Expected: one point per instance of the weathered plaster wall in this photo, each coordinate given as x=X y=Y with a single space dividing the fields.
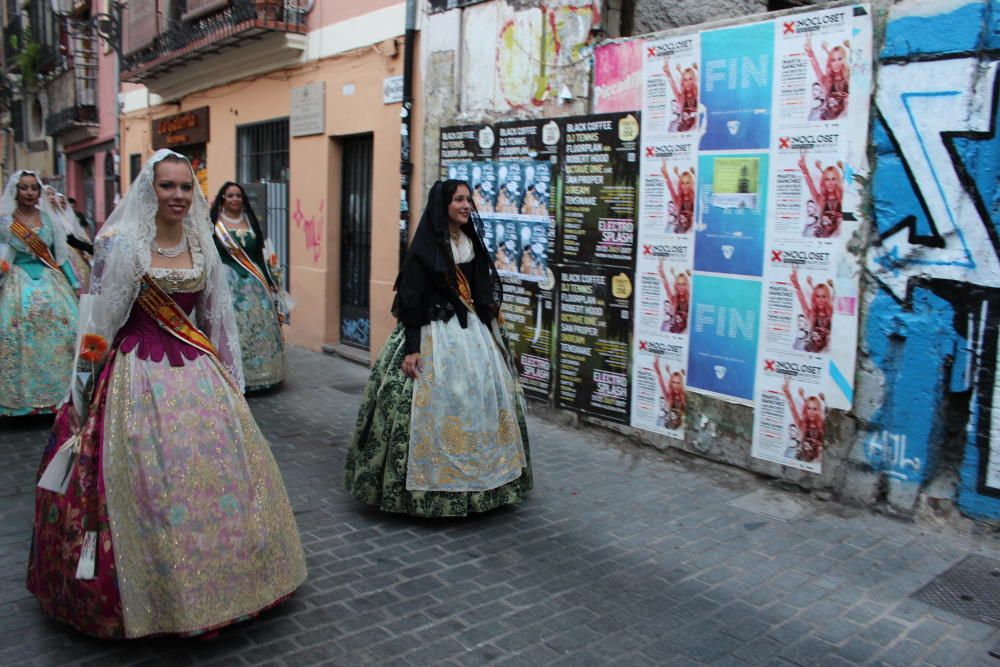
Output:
x=516 y=59
x=657 y=15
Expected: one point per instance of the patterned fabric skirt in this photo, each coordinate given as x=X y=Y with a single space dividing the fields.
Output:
x=194 y=528
x=261 y=341
x=80 y=268
x=37 y=341
x=380 y=448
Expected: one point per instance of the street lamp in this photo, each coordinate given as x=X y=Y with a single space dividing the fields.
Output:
x=107 y=25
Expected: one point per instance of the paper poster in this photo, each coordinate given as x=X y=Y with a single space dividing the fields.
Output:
x=808 y=342
x=595 y=330
x=737 y=75
x=672 y=100
x=470 y=143
x=725 y=316
x=814 y=55
x=618 y=76
x=600 y=193
x=733 y=194
x=512 y=169
x=519 y=245
x=529 y=314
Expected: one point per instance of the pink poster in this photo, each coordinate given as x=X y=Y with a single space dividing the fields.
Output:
x=618 y=76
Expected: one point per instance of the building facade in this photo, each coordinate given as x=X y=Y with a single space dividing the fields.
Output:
x=300 y=104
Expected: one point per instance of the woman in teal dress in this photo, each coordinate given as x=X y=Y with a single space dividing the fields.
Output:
x=38 y=305
x=257 y=297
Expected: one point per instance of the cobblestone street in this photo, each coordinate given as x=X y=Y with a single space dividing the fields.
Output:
x=621 y=556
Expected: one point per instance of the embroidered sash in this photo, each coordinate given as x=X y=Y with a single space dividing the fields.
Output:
x=465 y=293
x=35 y=244
x=464 y=290
x=240 y=256
x=164 y=310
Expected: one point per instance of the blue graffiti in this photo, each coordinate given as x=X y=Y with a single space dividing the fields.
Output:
x=356 y=331
x=912 y=347
x=933 y=329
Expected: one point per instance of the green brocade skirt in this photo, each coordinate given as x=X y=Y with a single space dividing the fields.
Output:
x=376 y=462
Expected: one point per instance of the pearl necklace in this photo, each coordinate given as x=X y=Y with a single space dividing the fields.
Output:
x=175 y=251
x=230 y=221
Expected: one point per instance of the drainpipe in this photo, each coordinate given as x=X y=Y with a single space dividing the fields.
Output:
x=405 y=145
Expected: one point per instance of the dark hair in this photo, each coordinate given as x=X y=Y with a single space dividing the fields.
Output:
x=258 y=256
x=431 y=250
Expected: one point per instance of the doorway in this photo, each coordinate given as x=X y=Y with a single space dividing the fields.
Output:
x=355 y=240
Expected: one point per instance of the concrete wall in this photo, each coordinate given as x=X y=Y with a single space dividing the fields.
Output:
x=656 y=15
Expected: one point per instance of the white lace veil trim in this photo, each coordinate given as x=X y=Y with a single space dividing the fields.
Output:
x=50 y=218
x=67 y=217
x=122 y=256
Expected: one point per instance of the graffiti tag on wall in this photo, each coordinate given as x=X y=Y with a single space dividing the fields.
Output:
x=312 y=228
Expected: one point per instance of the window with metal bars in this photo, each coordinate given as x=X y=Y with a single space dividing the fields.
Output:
x=262 y=158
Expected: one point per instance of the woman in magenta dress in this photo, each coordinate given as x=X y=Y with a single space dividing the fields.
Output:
x=174 y=519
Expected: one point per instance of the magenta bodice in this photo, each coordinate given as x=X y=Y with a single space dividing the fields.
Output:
x=151 y=341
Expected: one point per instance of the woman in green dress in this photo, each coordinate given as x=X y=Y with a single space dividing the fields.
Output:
x=257 y=297
x=441 y=429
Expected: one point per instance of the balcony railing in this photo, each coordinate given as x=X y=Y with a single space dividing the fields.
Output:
x=72 y=94
x=71 y=119
x=225 y=28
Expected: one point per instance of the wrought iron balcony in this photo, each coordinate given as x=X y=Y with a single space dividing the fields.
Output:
x=239 y=23
x=73 y=96
x=80 y=121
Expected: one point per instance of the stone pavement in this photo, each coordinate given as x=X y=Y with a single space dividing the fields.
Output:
x=621 y=556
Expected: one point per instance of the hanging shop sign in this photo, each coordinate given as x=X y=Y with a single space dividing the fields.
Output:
x=182 y=129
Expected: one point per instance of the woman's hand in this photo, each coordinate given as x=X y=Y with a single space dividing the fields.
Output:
x=412 y=366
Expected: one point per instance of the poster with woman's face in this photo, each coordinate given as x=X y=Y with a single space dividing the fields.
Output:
x=790 y=420
x=673 y=89
x=814 y=59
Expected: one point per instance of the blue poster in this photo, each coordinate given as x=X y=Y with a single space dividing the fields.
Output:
x=729 y=235
x=725 y=317
x=737 y=69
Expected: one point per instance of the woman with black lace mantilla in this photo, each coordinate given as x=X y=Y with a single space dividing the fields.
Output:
x=441 y=429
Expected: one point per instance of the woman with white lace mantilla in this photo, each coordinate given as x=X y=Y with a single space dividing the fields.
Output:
x=38 y=306
x=81 y=249
x=160 y=509
x=441 y=429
